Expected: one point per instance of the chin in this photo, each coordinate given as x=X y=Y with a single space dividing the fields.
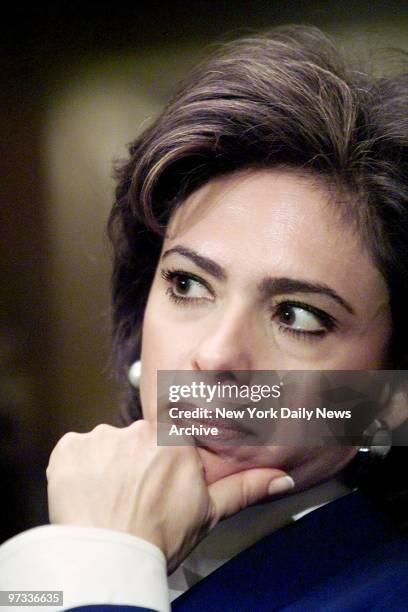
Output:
x=224 y=461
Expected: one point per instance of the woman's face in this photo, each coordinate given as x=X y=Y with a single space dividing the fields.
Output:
x=258 y=272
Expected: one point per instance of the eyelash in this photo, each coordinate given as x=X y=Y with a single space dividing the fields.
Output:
x=171 y=275
x=325 y=319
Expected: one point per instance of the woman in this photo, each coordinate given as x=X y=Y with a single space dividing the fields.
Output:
x=260 y=223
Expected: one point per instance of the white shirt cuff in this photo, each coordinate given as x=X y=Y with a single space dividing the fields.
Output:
x=90 y=565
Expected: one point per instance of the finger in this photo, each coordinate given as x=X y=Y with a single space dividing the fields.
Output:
x=237 y=491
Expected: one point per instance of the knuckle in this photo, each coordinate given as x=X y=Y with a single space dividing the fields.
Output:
x=103 y=429
x=67 y=441
x=139 y=428
x=246 y=493
x=142 y=424
x=64 y=448
x=48 y=471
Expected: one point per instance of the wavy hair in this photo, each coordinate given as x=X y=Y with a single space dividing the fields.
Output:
x=288 y=97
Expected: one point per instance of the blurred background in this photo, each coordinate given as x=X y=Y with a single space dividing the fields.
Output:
x=77 y=83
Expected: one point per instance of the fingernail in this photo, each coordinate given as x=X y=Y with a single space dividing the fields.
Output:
x=280 y=485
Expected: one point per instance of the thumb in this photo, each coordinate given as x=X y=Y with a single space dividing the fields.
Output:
x=237 y=491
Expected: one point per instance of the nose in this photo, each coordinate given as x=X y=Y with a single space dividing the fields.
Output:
x=227 y=342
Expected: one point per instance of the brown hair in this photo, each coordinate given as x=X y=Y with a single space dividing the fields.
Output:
x=287 y=98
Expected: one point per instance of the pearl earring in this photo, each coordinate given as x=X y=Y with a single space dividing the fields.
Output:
x=134 y=374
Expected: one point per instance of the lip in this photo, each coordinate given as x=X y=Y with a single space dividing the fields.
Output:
x=230 y=431
x=226 y=432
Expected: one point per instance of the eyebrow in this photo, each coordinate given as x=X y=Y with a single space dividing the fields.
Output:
x=268 y=286
x=202 y=262
x=275 y=286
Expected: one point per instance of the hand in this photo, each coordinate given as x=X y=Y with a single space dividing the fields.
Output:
x=120 y=479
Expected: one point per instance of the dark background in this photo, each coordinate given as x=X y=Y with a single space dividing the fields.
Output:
x=77 y=82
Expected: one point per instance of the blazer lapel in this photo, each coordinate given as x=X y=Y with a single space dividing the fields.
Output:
x=288 y=564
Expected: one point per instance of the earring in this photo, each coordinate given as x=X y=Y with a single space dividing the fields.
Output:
x=369 y=456
x=379 y=440
x=134 y=374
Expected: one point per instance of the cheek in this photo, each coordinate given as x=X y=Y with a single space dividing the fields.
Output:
x=318 y=465
x=151 y=353
x=306 y=465
x=162 y=349
x=366 y=353
x=168 y=335
x=162 y=344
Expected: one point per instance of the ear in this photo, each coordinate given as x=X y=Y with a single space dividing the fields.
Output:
x=395 y=405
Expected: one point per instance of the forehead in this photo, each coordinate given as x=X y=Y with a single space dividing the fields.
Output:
x=275 y=222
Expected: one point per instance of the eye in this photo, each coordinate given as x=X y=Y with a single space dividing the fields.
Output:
x=186 y=287
x=303 y=319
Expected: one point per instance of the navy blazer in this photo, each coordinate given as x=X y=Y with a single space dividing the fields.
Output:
x=342 y=557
